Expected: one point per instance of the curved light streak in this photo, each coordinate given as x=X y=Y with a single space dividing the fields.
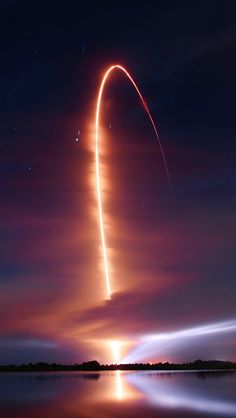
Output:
x=98 y=185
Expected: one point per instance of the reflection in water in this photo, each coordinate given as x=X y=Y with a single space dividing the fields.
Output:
x=119 y=385
x=123 y=390
x=119 y=393
x=170 y=394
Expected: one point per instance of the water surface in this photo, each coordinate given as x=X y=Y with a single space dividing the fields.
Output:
x=118 y=394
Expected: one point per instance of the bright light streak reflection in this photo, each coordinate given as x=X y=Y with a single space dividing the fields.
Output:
x=149 y=344
x=119 y=386
x=173 y=394
x=98 y=184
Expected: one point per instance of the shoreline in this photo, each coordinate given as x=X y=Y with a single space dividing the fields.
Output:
x=94 y=366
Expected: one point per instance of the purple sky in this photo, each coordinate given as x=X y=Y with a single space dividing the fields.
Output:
x=172 y=265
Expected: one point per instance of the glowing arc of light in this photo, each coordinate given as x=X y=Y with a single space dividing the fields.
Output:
x=98 y=185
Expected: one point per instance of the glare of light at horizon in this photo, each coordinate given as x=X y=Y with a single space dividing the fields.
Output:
x=149 y=344
x=116 y=351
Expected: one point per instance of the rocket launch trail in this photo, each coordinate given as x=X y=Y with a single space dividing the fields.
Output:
x=98 y=185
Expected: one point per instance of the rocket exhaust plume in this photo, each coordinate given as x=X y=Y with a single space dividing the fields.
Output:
x=98 y=186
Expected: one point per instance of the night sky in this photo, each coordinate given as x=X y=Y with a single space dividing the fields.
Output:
x=172 y=264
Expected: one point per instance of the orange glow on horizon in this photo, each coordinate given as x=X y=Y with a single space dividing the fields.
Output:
x=98 y=184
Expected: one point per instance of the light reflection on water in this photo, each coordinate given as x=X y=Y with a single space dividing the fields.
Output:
x=114 y=394
x=120 y=392
x=184 y=393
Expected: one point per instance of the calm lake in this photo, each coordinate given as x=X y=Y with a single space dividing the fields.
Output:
x=118 y=394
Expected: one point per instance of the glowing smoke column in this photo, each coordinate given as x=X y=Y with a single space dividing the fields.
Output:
x=115 y=345
x=99 y=99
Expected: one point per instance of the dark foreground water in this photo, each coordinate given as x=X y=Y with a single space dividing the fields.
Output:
x=118 y=394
